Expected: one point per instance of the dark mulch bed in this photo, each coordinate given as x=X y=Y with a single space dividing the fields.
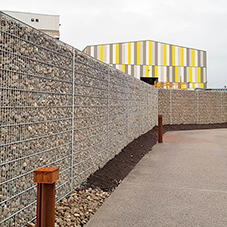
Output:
x=119 y=167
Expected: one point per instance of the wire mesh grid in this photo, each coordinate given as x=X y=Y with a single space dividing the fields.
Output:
x=60 y=107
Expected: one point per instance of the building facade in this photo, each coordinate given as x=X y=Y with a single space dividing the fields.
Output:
x=44 y=22
x=156 y=62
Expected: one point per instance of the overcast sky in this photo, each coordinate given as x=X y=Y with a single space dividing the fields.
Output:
x=200 y=24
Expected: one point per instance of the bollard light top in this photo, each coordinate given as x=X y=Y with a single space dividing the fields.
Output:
x=46 y=175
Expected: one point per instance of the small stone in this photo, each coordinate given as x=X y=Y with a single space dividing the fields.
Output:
x=4 y=130
x=15 y=77
x=2 y=179
x=25 y=164
x=29 y=224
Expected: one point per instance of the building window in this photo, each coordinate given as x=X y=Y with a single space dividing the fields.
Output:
x=32 y=20
x=37 y=20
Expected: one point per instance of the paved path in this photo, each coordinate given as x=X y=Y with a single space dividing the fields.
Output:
x=182 y=182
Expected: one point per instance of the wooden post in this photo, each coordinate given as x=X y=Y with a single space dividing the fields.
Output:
x=46 y=178
x=160 y=129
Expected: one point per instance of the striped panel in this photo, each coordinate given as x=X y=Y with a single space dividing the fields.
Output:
x=193 y=58
x=132 y=70
x=201 y=58
x=164 y=73
x=141 y=71
x=179 y=56
x=201 y=71
x=123 y=68
x=204 y=75
x=95 y=52
x=162 y=54
x=199 y=75
x=120 y=53
x=204 y=59
x=156 y=54
x=185 y=56
x=144 y=52
x=165 y=54
x=92 y=51
x=190 y=74
x=147 y=70
x=173 y=55
x=170 y=77
x=185 y=80
x=176 y=56
x=107 y=56
x=196 y=75
x=141 y=53
x=129 y=69
x=101 y=53
x=132 y=54
x=159 y=54
x=181 y=74
x=125 y=53
x=114 y=53
x=182 y=56
x=196 y=58
x=193 y=74
x=150 y=53
x=117 y=53
x=111 y=53
x=98 y=52
x=151 y=71
x=137 y=71
x=188 y=57
x=129 y=53
x=138 y=53
x=153 y=53
x=126 y=69
x=156 y=71
x=176 y=74
x=147 y=53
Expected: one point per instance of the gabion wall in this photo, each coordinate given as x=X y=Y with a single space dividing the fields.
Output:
x=192 y=107
x=60 y=108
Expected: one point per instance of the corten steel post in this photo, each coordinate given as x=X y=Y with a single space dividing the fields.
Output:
x=160 y=129
x=46 y=178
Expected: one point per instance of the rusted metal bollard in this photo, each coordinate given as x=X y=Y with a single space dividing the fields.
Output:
x=46 y=178
x=160 y=129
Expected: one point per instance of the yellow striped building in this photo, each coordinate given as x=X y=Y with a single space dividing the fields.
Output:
x=155 y=62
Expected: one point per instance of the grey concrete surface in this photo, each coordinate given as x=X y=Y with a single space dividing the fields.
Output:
x=182 y=182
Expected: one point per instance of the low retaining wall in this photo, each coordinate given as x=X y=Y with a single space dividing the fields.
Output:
x=192 y=107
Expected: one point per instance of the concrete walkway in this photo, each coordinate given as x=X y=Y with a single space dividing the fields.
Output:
x=182 y=182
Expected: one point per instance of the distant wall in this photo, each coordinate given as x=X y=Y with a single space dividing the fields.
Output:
x=192 y=107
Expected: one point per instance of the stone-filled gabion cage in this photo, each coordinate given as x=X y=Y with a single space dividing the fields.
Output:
x=60 y=108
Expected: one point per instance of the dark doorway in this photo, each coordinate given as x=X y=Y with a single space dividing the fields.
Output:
x=150 y=80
